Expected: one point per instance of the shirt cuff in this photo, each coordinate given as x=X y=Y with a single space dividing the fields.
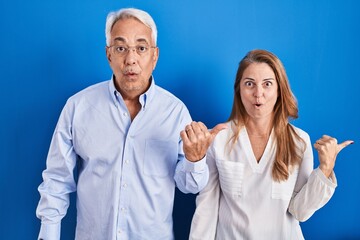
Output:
x=198 y=166
x=331 y=181
x=49 y=231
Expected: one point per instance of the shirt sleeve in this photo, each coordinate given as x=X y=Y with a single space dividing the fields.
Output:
x=205 y=218
x=58 y=179
x=49 y=231
x=313 y=189
x=191 y=177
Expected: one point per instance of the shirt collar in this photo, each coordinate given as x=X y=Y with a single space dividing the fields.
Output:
x=144 y=98
x=113 y=91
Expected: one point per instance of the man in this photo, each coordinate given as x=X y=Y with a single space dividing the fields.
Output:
x=123 y=137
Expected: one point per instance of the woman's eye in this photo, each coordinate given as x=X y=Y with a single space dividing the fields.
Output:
x=268 y=84
x=249 y=84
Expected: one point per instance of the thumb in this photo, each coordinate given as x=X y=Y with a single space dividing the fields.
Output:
x=344 y=144
x=218 y=128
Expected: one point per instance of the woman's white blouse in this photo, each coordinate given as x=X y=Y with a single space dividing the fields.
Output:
x=241 y=200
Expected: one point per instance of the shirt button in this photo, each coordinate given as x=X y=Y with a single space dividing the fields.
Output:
x=124 y=185
x=123 y=210
x=125 y=114
x=127 y=161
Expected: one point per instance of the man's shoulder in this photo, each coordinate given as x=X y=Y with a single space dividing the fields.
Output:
x=96 y=89
x=165 y=95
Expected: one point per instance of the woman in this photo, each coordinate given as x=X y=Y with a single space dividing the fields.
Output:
x=262 y=181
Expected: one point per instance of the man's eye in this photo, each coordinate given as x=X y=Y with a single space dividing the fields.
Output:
x=120 y=49
x=141 y=49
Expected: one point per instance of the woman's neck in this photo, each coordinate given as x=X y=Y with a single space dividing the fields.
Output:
x=259 y=128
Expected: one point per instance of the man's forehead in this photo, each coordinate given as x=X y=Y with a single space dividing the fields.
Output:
x=131 y=29
x=132 y=21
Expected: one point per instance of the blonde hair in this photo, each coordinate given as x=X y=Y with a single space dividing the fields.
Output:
x=288 y=152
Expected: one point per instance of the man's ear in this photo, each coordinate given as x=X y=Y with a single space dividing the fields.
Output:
x=108 y=54
x=155 y=57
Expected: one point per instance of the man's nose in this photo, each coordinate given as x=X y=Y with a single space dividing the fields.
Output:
x=131 y=56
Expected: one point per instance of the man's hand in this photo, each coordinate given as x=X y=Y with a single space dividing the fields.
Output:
x=197 y=139
x=328 y=149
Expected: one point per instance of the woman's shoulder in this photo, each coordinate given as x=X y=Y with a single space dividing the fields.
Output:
x=303 y=134
x=226 y=134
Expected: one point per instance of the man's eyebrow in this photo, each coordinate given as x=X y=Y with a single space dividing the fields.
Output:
x=139 y=40
x=142 y=40
x=121 y=39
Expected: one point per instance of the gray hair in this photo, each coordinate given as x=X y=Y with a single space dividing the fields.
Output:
x=126 y=13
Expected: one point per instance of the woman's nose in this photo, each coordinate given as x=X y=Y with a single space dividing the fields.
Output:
x=258 y=91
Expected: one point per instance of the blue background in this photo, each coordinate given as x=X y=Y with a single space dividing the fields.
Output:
x=51 y=49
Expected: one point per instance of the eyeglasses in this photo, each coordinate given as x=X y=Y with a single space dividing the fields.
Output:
x=122 y=50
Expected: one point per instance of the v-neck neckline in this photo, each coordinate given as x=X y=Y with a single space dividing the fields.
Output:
x=265 y=158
